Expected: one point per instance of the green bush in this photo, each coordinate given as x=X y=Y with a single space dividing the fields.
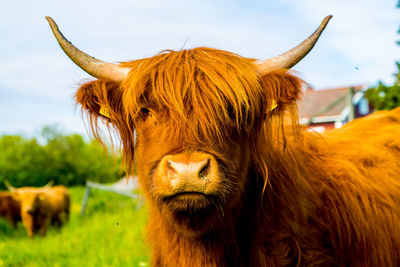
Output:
x=65 y=159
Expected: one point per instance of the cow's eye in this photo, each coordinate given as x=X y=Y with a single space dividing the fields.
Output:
x=145 y=112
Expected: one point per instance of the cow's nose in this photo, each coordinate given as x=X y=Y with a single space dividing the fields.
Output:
x=191 y=170
x=187 y=172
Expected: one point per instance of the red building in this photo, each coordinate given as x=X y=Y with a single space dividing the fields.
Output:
x=331 y=108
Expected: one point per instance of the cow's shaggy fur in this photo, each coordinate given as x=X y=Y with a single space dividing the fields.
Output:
x=285 y=197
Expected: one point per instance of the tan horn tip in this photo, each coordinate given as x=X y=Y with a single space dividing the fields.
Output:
x=325 y=21
x=9 y=186
x=53 y=24
x=49 y=18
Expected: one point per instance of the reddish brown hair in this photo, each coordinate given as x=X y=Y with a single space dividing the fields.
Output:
x=306 y=199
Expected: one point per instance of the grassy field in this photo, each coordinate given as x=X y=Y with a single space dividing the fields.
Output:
x=110 y=234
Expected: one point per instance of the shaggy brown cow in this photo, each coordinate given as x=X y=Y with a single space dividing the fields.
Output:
x=35 y=209
x=10 y=208
x=42 y=206
x=230 y=178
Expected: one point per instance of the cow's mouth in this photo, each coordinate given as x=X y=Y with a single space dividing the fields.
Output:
x=185 y=195
x=190 y=202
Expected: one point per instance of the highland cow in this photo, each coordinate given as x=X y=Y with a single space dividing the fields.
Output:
x=41 y=207
x=35 y=209
x=230 y=177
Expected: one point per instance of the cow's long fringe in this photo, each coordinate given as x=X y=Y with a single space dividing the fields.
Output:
x=202 y=89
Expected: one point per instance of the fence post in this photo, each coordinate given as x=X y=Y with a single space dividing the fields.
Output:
x=85 y=199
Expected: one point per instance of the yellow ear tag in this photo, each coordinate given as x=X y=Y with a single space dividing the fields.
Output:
x=104 y=111
x=273 y=105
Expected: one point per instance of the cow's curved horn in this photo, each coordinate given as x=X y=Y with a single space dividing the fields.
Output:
x=48 y=185
x=91 y=65
x=294 y=55
x=10 y=187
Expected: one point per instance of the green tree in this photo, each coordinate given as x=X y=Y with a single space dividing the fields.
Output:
x=22 y=161
x=65 y=159
x=383 y=96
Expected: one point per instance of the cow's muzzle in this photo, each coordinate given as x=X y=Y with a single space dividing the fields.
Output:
x=188 y=175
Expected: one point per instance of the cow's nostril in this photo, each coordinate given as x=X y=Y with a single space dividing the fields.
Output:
x=205 y=169
x=171 y=169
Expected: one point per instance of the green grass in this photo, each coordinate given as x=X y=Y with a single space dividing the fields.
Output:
x=109 y=234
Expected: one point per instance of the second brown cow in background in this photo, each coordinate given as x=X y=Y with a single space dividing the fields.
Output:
x=42 y=206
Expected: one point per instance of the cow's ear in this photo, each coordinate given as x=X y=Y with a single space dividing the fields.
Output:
x=282 y=89
x=101 y=99
x=41 y=196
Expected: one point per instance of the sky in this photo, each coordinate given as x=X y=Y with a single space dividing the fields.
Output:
x=38 y=81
